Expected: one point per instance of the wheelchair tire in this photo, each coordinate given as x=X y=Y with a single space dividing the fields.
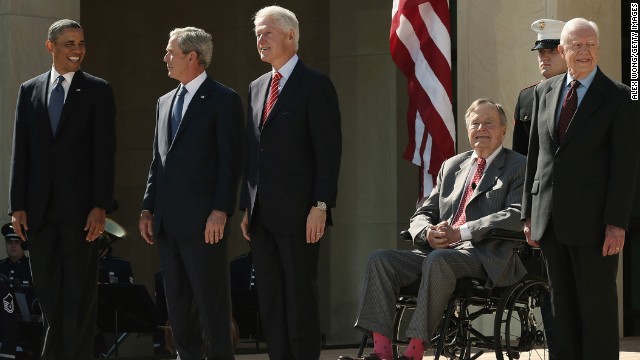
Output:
x=518 y=327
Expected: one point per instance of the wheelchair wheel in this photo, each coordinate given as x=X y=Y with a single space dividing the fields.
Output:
x=518 y=328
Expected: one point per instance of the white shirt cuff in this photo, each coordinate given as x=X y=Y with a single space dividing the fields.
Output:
x=465 y=233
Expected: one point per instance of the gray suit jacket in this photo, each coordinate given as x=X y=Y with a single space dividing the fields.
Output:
x=494 y=204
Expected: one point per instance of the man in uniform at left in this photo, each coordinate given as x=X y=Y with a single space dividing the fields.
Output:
x=16 y=265
x=16 y=272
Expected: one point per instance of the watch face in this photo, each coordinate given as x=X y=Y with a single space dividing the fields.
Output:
x=321 y=205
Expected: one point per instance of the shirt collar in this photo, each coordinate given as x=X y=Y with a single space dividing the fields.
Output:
x=287 y=68
x=586 y=82
x=489 y=159
x=54 y=76
x=193 y=85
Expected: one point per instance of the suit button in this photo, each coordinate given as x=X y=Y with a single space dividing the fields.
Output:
x=261 y=150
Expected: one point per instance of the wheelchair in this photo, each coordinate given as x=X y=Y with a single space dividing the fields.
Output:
x=518 y=326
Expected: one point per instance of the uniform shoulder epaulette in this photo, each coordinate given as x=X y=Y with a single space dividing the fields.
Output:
x=532 y=85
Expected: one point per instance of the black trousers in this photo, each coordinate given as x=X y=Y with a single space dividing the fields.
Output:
x=196 y=282
x=585 y=299
x=286 y=277
x=64 y=267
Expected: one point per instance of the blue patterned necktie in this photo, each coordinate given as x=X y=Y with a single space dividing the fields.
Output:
x=56 y=102
x=176 y=115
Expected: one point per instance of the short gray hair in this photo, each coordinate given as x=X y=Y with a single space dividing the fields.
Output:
x=578 y=23
x=474 y=105
x=285 y=19
x=57 y=28
x=194 y=39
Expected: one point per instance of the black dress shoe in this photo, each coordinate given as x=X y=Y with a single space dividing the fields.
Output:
x=372 y=356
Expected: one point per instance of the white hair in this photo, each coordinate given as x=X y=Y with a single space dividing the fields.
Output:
x=285 y=20
x=578 y=23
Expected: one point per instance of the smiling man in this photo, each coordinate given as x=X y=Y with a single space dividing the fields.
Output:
x=476 y=191
x=62 y=174
x=581 y=176
x=290 y=184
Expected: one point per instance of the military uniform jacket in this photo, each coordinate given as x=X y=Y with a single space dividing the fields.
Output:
x=522 y=120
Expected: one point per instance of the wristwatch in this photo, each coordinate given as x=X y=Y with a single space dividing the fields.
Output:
x=321 y=205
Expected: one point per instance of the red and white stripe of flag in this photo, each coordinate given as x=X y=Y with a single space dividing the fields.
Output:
x=420 y=45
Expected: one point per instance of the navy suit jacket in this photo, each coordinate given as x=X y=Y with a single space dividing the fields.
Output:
x=294 y=159
x=199 y=171
x=588 y=181
x=77 y=164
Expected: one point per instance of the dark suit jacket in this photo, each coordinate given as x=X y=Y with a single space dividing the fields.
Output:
x=199 y=171
x=588 y=181
x=76 y=165
x=522 y=120
x=495 y=204
x=294 y=159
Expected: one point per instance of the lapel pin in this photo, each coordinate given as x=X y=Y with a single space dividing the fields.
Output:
x=201 y=96
x=78 y=89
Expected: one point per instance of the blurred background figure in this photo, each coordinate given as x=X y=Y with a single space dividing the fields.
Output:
x=16 y=277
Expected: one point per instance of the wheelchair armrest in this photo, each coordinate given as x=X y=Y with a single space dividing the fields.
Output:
x=405 y=235
x=501 y=234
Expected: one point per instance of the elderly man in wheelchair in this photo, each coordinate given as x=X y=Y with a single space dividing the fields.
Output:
x=477 y=192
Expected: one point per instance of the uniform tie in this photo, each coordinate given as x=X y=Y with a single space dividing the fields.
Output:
x=176 y=115
x=56 y=102
x=273 y=95
x=461 y=216
x=569 y=107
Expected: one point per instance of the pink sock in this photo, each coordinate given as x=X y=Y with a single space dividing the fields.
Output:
x=415 y=350
x=382 y=346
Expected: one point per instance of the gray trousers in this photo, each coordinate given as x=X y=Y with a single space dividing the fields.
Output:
x=389 y=270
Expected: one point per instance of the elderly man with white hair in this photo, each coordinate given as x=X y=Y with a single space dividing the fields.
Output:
x=580 y=180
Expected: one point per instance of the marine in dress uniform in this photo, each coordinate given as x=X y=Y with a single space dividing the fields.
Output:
x=551 y=64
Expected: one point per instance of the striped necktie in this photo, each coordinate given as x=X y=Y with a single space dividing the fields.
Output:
x=569 y=107
x=273 y=95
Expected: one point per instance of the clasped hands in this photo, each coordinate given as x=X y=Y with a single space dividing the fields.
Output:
x=442 y=235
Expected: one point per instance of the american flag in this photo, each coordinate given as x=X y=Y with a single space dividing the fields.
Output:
x=421 y=47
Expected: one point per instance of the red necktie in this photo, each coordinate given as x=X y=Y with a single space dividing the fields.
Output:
x=273 y=95
x=461 y=216
x=569 y=106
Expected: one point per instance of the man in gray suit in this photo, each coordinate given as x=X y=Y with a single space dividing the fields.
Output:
x=477 y=191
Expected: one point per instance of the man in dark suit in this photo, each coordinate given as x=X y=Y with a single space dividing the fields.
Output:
x=294 y=145
x=62 y=174
x=191 y=191
x=476 y=191
x=551 y=64
x=579 y=187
